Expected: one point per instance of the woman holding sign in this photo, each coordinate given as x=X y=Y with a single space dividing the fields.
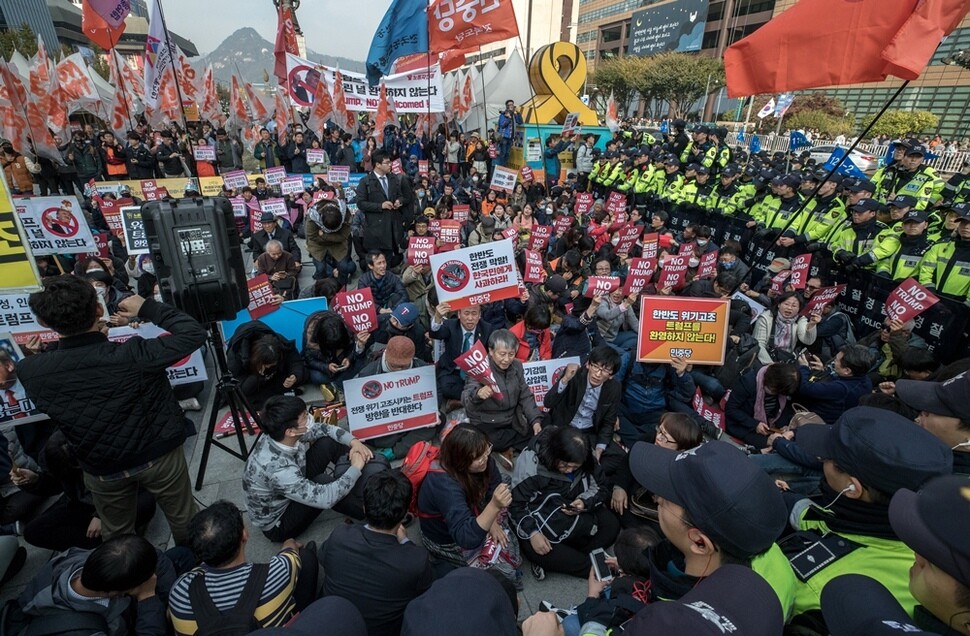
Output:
x=781 y=331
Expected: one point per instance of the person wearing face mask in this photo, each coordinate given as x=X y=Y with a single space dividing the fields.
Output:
x=729 y=260
x=111 y=295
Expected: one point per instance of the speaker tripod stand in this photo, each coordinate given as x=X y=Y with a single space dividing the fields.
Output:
x=227 y=393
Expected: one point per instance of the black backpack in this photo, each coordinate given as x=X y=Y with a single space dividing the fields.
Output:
x=237 y=621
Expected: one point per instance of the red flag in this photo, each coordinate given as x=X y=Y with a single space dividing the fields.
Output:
x=467 y=95
x=383 y=114
x=454 y=28
x=347 y=121
x=236 y=104
x=120 y=108
x=211 y=108
x=13 y=119
x=259 y=106
x=285 y=42
x=35 y=119
x=97 y=30
x=323 y=108
x=862 y=42
x=186 y=77
x=452 y=60
x=282 y=117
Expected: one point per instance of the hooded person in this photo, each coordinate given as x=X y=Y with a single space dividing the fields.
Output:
x=466 y=601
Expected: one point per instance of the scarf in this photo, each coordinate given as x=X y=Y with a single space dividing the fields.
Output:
x=851 y=516
x=760 y=412
x=784 y=336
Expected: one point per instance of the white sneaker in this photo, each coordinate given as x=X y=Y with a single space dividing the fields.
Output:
x=190 y=404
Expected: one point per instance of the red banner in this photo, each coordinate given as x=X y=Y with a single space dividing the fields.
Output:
x=449 y=233
x=651 y=245
x=639 y=275
x=909 y=300
x=459 y=212
x=474 y=363
x=799 y=271
x=456 y=25
x=779 y=280
x=420 y=249
x=539 y=237
x=616 y=202
x=628 y=237
x=713 y=413
x=708 y=265
x=584 y=202
x=260 y=297
x=527 y=174
x=601 y=285
x=357 y=309
x=821 y=298
x=674 y=273
x=534 y=271
x=562 y=224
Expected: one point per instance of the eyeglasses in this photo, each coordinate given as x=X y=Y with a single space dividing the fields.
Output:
x=812 y=287
x=665 y=437
x=599 y=370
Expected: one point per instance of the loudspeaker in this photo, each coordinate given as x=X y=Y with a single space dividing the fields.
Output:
x=198 y=261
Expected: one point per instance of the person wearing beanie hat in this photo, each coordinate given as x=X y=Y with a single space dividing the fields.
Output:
x=867 y=456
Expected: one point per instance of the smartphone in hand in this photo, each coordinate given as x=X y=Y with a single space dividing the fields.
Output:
x=600 y=567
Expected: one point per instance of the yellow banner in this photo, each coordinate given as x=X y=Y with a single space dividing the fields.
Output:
x=18 y=272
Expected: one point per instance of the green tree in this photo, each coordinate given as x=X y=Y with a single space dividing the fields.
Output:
x=618 y=75
x=680 y=79
x=821 y=120
x=902 y=123
x=23 y=39
x=816 y=101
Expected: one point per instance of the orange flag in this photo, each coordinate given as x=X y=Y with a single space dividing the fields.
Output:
x=97 y=30
x=385 y=114
x=237 y=106
x=863 y=41
x=323 y=108
x=257 y=104
x=282 y=117
x=477 y=24
x=347 y=121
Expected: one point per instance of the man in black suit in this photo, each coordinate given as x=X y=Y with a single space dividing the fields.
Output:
x=458 y=334
x=587 y=398
x=375 y=566
x=388 y=206
x=272 y=231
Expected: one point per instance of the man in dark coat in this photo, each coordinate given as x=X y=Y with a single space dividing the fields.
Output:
x=387 y=203
x=272 y=231
x=459 y=334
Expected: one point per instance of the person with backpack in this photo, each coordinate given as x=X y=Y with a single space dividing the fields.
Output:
x=229 y=595
x=462 y=504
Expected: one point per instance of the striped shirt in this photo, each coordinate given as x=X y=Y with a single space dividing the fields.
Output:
x=225 y=586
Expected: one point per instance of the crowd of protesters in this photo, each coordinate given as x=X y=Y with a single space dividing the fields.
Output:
x=831 y=497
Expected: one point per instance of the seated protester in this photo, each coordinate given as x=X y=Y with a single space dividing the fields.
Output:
x=715 y=508
x=286 y=480
x=328 y=228
x=286 y=585
x=830 y=393
x=264 y=363
x=587 y=398
x=462 y=503
x=943 y=411
x=374 y=565
x=780 y=331
x=331 y=353
x=934 y=525
x=651 y=390
x=104 y=590
x=484 y=231
x=111 y=295
x=729 y=260
x=617 y=321
x=457 y=334
x=273 y=231
x=533 y=334
x=631 y=569
x=868 y=455
x=467 y=601
x=322 y=288
x=338 y=614
x=888 y=345
x=833 y=332
x=418 y=281
x=23 y=486
x=403 y=321
x=558 y=509
x=282 y=269
x=72 y=521
x=577 y=334
x=760 y=402
x=676 y=431
x=387 y=288
x=507 y=413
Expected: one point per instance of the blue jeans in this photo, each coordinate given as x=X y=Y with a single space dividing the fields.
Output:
x=504 y=147
x=709 y=385
x=324 y=269
x=799 y=478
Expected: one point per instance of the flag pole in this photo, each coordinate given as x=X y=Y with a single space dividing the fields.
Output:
x=175 y=78
x=481 y=74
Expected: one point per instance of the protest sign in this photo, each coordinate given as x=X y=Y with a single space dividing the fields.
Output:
x=315 y=155
x=527 y=174
x=459 y=212
x=104 y=248
x=756 y=308
x=239 y=208
x=422 y=167
x=674 y=272
x=396 y=167
x=799 y=270
x=420 y=249
x=628 y=237
x=584 y=202
x=476 y=275
x=503 y=179
x=292 y=185
x=357 y=308
x=260 y=296
x=601 y=285
x=539 y=237
x=713 y=413
x=616 y=202
x=691 y=328
x=274 y=176
x=639 y=275
x=55 y=225
x=338 y=174
x=909 y=300
x=570 y=124
x=542 y=375
x=379 y=405
x=821 y=298
x=686 y=249
x=204 y=153
x=276 y=207
x=111 y=211
x=449 y=233
x=226 y=427
x=534 y=271
x=235 y=180
x=136 y=239
x=562 y=224
x=708 y=265
x=15 y=407
x=651 y=245
x=475 y=364
x=255 y=225
x=779 y=281
x=17 y=318
x=191 y=368
x=511 y=233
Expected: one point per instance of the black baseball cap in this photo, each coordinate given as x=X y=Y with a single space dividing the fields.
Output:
x=903 y=201
x=962 y=211
x=836 y=178
x=867 y=205
x=879 y=615
x=727 y=495
x=733 y=599
x=918 y=149
x=948 y=398
x=919 y=216
x=702 y=170
x=556 y=284
x=882 y=449
x=859 y=185
x=729 y=170
x=935 y=523
x=672 y=161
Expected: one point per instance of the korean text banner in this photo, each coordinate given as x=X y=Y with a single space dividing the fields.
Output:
x=411 y=91
x=691 y=328
x=388 y=403
x=671 y=26
x=55 y=225
x=476 y=275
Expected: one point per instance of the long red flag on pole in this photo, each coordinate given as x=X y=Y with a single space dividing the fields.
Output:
x=863 y=41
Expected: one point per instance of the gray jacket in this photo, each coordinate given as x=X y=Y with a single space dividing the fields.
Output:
x=516 y=396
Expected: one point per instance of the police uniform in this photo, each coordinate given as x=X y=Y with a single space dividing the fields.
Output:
x=866 y=243
x=923 y=183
